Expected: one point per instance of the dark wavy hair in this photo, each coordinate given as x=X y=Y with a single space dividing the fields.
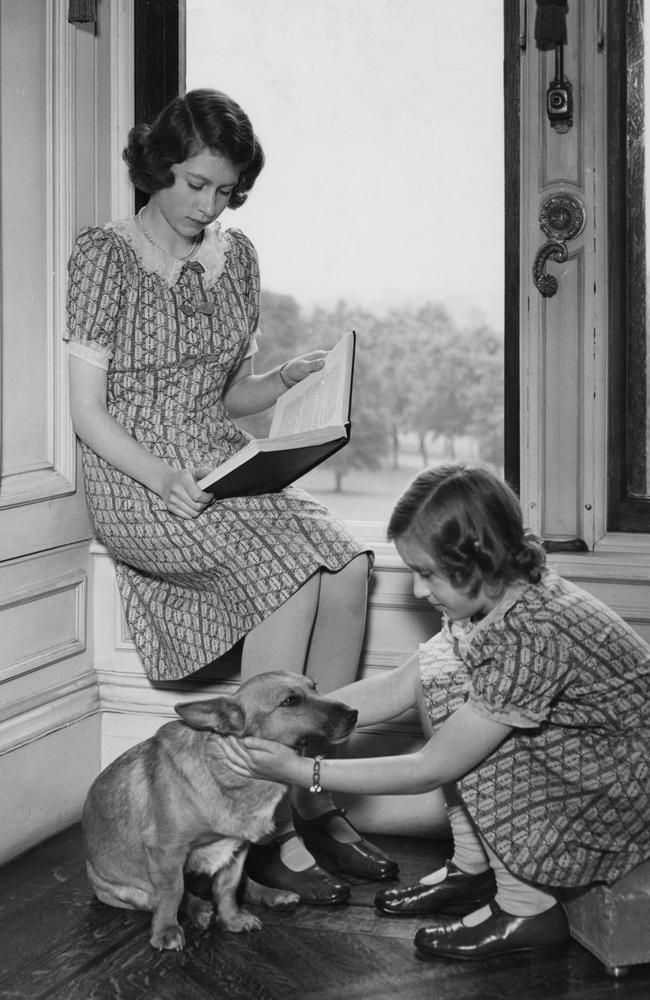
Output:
x=202 y=119
x=470 y=523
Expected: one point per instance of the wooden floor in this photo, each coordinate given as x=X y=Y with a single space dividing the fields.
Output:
x=58 y=942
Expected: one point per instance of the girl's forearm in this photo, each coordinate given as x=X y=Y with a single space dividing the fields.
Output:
x=254 y=393
x=384 y=696
x=249 y=393
x=463 y=740
x=115 y=445
x=400 y=775
x=101 y=432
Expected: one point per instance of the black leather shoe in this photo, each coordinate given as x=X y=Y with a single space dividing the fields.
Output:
x=500 y=934
x=314 y=886
x=457 y=893
x=360 y=858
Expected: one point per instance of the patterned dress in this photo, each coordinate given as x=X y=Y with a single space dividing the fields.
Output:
x=170 y=334
x=565 y=800
x=444 y=677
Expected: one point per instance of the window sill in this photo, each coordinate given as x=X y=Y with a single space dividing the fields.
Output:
x=616 y=556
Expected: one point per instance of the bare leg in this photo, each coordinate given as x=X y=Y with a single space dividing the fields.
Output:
x=318 y=631
x=339 y=624
x=284 y=642
x=333 y=662
x=325 y=620
x=281 y=641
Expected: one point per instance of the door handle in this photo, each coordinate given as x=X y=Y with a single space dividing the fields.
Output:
x=561 y=218
x=546 y=284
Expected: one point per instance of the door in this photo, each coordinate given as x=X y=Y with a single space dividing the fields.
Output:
x=48 y=697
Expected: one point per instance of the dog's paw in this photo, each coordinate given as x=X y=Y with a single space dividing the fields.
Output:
x=200 y=912
x=280 y=899
x=274 y=899
x=170 y=938
x=241 y=921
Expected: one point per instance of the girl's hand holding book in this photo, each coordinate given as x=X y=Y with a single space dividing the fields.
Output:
x=181 y=494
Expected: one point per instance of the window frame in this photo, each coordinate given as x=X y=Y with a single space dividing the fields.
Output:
x=159 y=60
x=627 y=359
x=159 y=47
x=512 y=242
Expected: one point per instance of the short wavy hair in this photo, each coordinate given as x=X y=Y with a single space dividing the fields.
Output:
x=470 y=523
x=202 y=119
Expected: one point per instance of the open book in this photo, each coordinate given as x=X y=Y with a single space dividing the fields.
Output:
x=310 y=422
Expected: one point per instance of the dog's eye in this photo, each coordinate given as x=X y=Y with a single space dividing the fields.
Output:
x=290 y=701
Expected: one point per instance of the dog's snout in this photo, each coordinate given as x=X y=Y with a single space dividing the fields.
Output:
x=342 y=722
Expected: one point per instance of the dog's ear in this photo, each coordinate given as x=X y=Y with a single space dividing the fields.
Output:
x=220 y=715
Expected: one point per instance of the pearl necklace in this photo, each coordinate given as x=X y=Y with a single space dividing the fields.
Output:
x=149 y=237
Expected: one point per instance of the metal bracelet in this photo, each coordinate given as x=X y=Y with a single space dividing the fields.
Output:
x=315 y=778
x=287 y=385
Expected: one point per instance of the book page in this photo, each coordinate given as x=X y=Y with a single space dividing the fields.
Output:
x=320 y=400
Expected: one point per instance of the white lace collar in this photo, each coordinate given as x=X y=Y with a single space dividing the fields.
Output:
x=211 y=253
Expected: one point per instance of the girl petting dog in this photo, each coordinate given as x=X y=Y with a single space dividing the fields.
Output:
x=536 y=700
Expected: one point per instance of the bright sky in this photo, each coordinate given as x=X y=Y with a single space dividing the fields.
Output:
x=382 y=124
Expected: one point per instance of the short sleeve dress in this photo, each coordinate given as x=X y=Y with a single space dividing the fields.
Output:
x=170 y=334
x=565 y=799
x=444 y=677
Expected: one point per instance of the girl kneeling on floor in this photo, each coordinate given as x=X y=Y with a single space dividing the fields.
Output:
x=536 y=697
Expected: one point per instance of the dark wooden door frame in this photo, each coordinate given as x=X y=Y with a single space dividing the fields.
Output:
x=159 y=63
x=512 y=164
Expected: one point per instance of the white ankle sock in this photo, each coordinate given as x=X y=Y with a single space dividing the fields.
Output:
x=520 y=899
x=477 y=917
x=434 y=878
x=469 y=854
x=295 y=855
x=513 y=895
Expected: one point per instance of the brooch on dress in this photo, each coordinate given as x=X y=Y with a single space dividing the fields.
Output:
x=207 y=307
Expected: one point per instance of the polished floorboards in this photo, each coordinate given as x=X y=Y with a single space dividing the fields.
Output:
x=57 y=942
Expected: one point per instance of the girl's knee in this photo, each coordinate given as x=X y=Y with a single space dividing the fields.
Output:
x=351 y=582
x=357 y=571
